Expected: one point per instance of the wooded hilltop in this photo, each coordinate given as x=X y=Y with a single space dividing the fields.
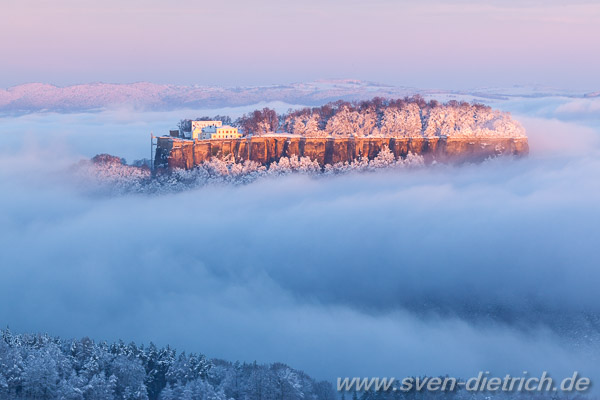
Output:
x=379 y=117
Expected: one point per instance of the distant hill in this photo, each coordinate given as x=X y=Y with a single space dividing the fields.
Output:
x=150 y=96
x=33 y=97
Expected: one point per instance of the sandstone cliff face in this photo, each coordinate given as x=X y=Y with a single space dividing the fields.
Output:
x=186 y=154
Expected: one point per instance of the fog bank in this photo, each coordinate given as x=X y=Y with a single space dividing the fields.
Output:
x=442 y=270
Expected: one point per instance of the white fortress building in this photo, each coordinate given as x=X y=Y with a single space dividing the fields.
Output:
x=198 y=126
x=205 y=130
x=220 y=132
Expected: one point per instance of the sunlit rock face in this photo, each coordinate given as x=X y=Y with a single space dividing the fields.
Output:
x=178 y=153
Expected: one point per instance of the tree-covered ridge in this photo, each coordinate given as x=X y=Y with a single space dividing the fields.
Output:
x=44 y=367
x=379 y=117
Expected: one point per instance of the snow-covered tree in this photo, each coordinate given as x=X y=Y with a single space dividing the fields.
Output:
x=384 y=159
x=401 y=122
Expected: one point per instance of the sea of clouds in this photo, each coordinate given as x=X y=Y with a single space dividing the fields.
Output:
x=441 y=270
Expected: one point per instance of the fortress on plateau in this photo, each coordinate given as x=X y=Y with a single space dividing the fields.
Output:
x=342 y=132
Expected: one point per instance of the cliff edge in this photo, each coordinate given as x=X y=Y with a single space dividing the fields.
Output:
x=174 y=153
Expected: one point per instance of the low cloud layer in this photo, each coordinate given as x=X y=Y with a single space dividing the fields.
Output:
x=122 y=131
x=440 y=270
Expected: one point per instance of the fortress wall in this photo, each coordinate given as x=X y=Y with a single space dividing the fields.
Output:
x=180 y=153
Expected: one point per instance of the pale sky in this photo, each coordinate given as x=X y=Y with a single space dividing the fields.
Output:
x=428 y=44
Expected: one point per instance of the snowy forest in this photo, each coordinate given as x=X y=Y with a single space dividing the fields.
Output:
x=44 y=367
x=109 y=174
x=41 y=367
x=379 y=117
